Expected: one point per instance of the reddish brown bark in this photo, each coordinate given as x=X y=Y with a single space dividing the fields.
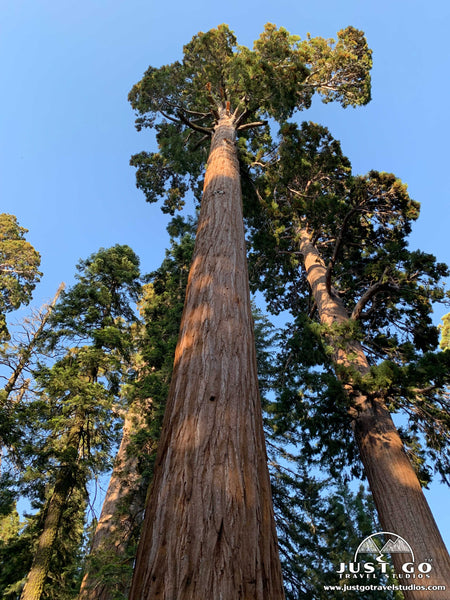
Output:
x=120 y=519
x=209 y=530
x=398 y=496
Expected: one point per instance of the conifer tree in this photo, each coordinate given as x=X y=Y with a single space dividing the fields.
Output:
x=209 y=528
x=339 y=254
x=75 y=407
x=445 y=331
x=19 y=268
x=109 y=566
x=306 y=511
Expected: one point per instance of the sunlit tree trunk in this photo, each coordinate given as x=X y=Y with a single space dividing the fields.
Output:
x=120 y=519
x=397 y=493
x=209 y=529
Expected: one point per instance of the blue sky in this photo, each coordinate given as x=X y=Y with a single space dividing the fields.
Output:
x=68 y=130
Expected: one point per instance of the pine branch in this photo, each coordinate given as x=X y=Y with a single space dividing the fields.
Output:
x=200 y=142
x=166 y=116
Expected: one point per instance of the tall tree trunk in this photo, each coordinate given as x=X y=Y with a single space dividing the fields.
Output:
x=34 y=585
x=397 y=493
x=209 y=529
x=120 y=519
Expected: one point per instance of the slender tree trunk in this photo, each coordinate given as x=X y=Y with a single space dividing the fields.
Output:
x=65 y=480
x=34 y=585
x=120 y=519
x=397 y=493
x=209 y=530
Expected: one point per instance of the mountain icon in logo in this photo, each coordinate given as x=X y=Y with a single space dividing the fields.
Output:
x=395 y=547
x=383 y=542
x=369 y=546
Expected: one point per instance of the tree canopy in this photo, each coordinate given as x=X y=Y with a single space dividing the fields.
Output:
x=277 y=77
x=360 y=226
x=19 y=268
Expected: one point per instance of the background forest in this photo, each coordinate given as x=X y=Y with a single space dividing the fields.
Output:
x=107 y=346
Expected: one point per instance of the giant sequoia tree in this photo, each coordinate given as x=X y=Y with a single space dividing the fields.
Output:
x=209 y=529
x=339 y=257
x=311 y=516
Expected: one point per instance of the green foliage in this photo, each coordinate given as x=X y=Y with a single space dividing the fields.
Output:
x=445 y=333
x=339 y=71
x=98 y=306
x=9 y=525
x=360 y=227
x=182 y=101
x=14 y=555
x=320 y=522
x=161 y=306
x=19 y=268
x=310 y=406
x=70 y=420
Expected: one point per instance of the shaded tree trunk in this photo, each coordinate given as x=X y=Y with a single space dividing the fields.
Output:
x=120 y=520
x=34 y=585
x=397 y=493
x=65 y=480
x=209 y=530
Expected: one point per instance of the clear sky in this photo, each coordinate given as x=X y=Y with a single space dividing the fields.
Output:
x=68 y=131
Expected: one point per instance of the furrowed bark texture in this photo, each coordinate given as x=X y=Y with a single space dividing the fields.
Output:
x=120 y=519
x=398 y=496
x=209 y=530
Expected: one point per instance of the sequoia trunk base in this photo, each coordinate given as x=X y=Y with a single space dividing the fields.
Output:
x=209 y=530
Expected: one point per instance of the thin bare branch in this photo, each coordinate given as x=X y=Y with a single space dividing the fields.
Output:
x=251 y=125
x=26 y=353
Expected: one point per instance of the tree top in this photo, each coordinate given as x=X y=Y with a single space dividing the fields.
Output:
x=277 y=77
